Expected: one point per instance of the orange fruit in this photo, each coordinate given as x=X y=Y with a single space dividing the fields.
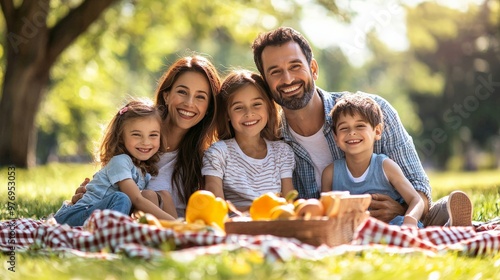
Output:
x=262 y=205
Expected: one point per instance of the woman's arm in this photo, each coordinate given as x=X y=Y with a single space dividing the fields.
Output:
x=130 y=188
x=404 y=187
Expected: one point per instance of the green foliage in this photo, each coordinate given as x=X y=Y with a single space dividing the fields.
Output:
x=452 y=73
x=386 y=76
x=436 y=23
x=418 y=72
x=125 y=52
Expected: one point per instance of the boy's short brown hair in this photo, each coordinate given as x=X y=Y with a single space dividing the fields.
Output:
x=356 y=103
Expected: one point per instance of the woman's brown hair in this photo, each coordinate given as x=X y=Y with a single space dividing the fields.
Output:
x=186 y=175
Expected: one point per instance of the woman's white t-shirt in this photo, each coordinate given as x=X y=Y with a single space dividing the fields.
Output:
x=163 y=181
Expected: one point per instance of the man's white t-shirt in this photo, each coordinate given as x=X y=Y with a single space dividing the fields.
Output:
x=317 y=147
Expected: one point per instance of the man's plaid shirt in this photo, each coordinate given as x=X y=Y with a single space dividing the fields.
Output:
x=395 y=143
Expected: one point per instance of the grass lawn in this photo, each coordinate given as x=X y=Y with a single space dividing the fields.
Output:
x=40 y=191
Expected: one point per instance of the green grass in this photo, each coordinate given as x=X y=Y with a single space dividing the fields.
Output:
x=40 y=191
x=248 y=265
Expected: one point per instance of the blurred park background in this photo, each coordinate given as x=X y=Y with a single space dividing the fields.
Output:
x=437 y=62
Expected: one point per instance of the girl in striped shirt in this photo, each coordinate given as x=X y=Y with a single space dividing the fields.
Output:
x=249 y=159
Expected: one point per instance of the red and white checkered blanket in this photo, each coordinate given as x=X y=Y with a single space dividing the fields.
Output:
x=108 y=234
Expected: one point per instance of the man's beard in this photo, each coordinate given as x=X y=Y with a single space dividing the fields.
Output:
x=296 y=103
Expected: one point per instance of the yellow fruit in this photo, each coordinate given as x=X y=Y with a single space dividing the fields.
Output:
x=282 y=212
x=262 y=205
x=203 y=205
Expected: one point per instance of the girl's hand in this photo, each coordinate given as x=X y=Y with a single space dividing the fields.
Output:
x=140 y=203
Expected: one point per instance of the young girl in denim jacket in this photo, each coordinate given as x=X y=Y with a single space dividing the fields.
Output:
x=128 y=155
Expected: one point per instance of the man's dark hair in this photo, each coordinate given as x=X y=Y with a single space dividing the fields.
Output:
x=279 y=37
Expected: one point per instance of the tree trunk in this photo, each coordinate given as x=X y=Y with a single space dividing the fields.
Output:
x=32 y=48
x=25 y=78
x=22 y=95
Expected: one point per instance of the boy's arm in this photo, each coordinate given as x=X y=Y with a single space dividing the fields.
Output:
x=398 y=145
x=403 y=186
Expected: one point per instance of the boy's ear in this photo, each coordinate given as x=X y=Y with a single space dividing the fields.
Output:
x=378 y=131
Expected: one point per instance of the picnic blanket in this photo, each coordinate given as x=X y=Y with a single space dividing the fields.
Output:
x=109 y=234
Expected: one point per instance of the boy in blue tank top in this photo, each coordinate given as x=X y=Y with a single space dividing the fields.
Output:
x=357 y=124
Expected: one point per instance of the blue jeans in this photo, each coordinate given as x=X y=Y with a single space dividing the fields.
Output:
x=398 y=221
x=75 y=215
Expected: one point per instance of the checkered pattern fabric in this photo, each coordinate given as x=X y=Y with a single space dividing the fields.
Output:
x=108 y=234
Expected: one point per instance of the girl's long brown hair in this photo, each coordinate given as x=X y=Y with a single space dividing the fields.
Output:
x=187 y=170
x=113 y=144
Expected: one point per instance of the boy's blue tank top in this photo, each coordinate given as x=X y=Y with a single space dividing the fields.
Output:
x=375 y=181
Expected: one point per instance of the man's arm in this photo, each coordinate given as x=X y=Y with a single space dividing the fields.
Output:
x=398 y=145
x=80 y=191
x=384 y=208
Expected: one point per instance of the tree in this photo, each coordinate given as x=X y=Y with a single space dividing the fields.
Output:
x=127 y=50
x=454 y=81
x=32 y=47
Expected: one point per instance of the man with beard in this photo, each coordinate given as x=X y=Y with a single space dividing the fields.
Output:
x=284 y=58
